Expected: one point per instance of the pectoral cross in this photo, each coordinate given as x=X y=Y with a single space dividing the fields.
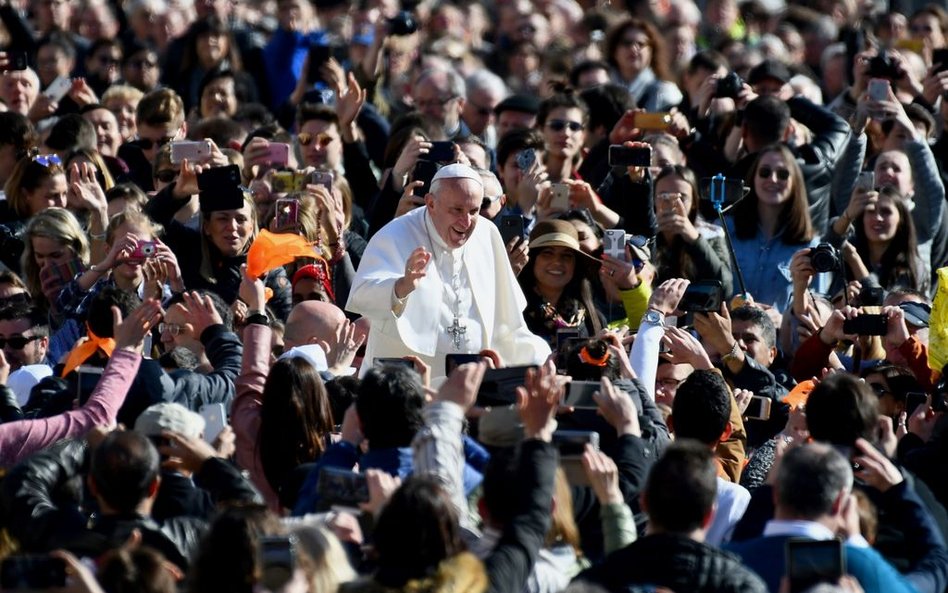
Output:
x=457 y=332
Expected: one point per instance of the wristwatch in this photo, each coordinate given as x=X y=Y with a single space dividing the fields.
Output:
x=653 y=317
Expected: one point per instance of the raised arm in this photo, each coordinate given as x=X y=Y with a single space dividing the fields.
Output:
x=25 y=437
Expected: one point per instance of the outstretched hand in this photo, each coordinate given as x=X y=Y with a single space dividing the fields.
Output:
x=415 y=270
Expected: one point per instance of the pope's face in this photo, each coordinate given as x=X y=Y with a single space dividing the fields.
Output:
x=455 y=208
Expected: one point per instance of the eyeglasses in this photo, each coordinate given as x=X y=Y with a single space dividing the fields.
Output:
x=166 y=175
x=108 y=60
x=767 y=173
x=558 y=125
x=48 y=159
x=148 y=143
x=172 y=328
x=18 y=342
x=433 y=103
x=635 y=43
x=322 y=139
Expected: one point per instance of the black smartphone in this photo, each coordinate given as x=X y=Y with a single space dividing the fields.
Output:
x=871 y=296
x=758 y=408
x=441 y=152
x=424 y=171
x=580 y=395
x=499 y=386
x=914 y=399
x=318 y=56
x=867 y=324
x=512 y=227
x=572 y=443
x=341 y=487
x=811 y=562
x=940 y=60
x=32 y=572
x=219 y=178
x=704 y=296
x=630 y=156
x=453 y=361
x=396 y=362
x=19 y=60
x=277 y=560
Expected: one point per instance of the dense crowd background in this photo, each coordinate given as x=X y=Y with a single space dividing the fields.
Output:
x=727 y=219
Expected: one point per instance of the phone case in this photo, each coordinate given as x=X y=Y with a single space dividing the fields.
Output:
x=215 y=419
x=58 y=89
x=614 y=243
x=560 y=199
x=287 y=213
x=652 y=121
x=279 y=154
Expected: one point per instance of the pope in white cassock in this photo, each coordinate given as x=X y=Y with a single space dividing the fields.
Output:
x=437 y=281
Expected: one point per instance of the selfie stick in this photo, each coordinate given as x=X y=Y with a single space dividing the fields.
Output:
x=717 y=200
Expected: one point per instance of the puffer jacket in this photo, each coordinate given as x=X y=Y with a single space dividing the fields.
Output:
x=676 y=562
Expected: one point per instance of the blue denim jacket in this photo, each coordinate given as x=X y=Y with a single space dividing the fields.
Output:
x=765 y=264
x=395 y=461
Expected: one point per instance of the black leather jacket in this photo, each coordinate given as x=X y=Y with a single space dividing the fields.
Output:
x=44 y=509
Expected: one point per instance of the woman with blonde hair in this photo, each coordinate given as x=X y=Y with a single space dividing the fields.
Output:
x=227 y=227
x=331 y=566
x=56 y=248
x=137 y=261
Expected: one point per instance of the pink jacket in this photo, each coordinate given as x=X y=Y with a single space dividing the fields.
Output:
x=21 y=439
x=245 y=411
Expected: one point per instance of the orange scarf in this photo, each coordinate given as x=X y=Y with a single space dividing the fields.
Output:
x=83 y=351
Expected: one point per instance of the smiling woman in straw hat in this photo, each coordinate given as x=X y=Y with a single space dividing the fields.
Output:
x=556 y=282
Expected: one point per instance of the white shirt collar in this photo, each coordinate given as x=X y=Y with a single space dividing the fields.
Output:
x=798 y=528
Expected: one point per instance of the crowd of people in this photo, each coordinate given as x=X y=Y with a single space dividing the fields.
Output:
x=453 y=296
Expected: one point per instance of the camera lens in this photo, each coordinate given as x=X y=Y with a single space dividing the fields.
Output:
x=824 y=258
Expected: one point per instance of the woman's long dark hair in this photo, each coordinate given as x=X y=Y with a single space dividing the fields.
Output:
x=671 y=259
x=900 y=261
x=795 y=216
x=417 y=530
x=295 y=420
x=577 y=293
x=659 y=63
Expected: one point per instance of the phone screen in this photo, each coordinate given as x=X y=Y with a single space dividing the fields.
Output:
x=702 y=297
x=812 y=562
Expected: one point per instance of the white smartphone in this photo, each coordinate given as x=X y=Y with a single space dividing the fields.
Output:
x=215 y=419
x=560 y=200
x=58 y=89
x=193 y=150
x=878 y=89
x=614 y=243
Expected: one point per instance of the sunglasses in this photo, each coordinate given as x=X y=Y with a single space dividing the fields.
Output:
x=148 y=143
x=172 y=328
x=636 y=43
x=166 y=175
x=767 y=173
x=143 y=64
x=488 y=200
x=18 y=342
x=47 y=160
x=322 y=139
x=558 y=125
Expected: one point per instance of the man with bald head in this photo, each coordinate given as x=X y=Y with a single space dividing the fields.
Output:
x=312 y=322
x=416 y=283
